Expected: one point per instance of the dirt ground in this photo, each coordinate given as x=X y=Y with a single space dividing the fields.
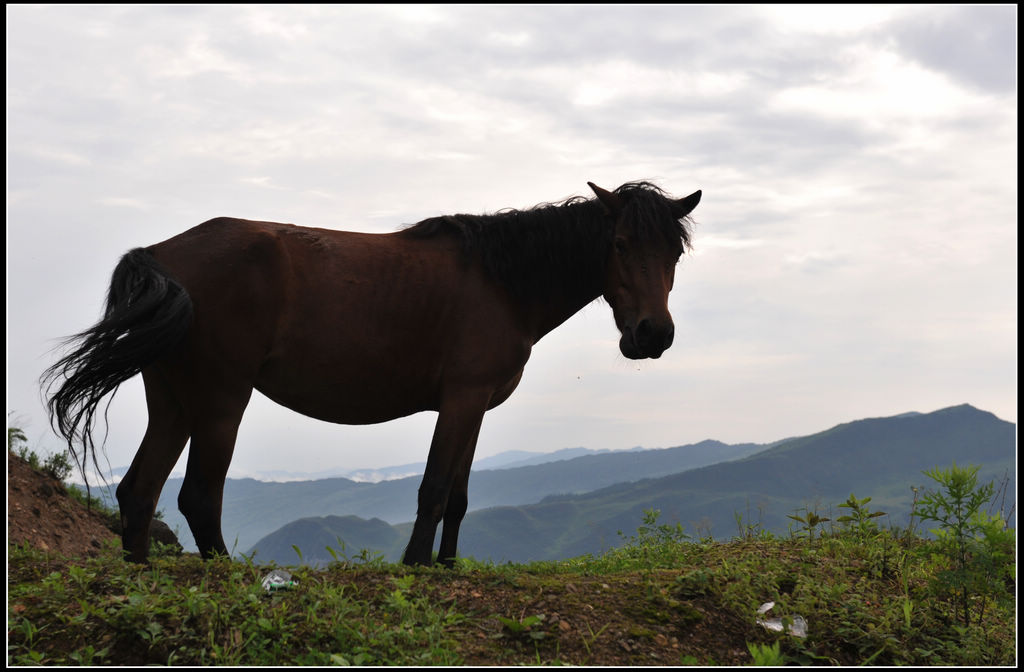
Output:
x=621 y=620
x=40 y=512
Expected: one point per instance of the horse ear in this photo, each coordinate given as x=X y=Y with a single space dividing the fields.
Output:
x=690 y=202
x=611 y=202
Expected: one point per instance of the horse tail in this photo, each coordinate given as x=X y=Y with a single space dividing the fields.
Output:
x=147 y=314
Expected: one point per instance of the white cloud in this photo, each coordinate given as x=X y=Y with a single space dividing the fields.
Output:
x=196 y=57
x=879 y=89
x=831 y=19
x=61 y=156
x=123 y=202
x=715 y=242
x=516 y=39
x=273 y=24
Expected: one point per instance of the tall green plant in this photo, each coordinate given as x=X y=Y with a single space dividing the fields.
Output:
x=977 y=545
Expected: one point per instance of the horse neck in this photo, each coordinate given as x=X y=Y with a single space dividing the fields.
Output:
x=569 y=289
x=550 y=312
x=550 y=260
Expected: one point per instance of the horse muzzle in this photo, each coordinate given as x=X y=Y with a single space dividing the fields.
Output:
x=646 y=340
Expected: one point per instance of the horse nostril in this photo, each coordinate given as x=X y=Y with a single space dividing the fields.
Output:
x=643 y=333
x=654 y=340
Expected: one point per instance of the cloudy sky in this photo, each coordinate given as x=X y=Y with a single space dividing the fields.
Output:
x=856 y=246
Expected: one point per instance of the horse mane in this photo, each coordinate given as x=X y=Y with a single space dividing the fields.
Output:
x=559 y=244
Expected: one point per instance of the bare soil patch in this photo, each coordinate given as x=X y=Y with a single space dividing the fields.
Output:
x=40 y=513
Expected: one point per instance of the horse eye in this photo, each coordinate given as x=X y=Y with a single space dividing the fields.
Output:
x=620 y=246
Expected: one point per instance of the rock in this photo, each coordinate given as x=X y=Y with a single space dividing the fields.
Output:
x=159 y=531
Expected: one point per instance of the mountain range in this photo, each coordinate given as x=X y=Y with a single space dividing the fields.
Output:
x=582 y=501
x=252 y=509
x=882 y=458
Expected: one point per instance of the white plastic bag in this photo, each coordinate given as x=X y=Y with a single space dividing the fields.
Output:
x=798 y=628
x=278 y=579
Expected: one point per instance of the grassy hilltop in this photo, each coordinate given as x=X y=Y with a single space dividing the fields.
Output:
x=866 y=593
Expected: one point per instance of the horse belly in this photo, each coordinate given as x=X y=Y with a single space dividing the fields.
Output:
x=351 y=390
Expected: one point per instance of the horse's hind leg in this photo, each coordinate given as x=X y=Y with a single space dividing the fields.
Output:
x=139 y=491
x=209 y=455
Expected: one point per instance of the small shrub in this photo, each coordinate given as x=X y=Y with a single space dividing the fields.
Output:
x=58 y=465
x=860 y=521
x=977 y=545
x=809 y=520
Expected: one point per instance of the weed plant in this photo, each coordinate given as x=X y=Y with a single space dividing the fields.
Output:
x=57 y=465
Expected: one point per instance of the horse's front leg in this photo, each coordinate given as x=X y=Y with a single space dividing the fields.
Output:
x=455 y=509
x=451 y=454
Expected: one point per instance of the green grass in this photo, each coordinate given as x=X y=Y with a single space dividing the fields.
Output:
x=189 y=612
x=867 y=595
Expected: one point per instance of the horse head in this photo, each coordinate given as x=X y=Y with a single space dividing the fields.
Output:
x=648 y=239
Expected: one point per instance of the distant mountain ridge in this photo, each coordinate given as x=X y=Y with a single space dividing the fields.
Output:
x=878 y=457
x=252 y=508
x=505 y=460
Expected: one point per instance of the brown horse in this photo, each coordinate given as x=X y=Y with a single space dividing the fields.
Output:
x=357 y=328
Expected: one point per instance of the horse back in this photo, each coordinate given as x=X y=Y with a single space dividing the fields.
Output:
x=343 y=326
